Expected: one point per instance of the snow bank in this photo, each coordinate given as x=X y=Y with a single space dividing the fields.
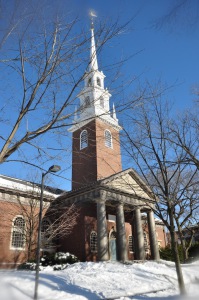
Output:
x=103 y=280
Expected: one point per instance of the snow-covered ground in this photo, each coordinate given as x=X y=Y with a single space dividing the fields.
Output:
x=110 y=280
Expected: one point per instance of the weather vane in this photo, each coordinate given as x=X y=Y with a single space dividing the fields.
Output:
x=92 y=15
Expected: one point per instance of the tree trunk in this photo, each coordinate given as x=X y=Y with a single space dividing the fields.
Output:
x=184 y=252
x=176 y=254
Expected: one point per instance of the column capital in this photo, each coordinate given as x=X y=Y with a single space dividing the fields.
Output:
x=120 y=203
x=100 y=200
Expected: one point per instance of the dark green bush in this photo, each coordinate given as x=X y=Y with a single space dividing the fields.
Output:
x=194 y=251
x=167 y=254
x=59 y=258
x=29 y=266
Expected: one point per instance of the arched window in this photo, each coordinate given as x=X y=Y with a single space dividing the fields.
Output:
x=131 y=244
x=46 y=232
x=108 y=139
x=102 y=102
x=18 y=233
x=93 y=241
x=83 y=139
x=98 y=81
x=87 y=101
x=89 y=82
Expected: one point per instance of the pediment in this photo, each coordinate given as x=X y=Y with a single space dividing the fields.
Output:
x=129 y=182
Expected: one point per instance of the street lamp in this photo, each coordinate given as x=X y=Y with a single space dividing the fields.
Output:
x=52 y=169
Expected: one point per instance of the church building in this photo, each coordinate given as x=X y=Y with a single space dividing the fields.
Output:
x=115 y=206
x=116 y=220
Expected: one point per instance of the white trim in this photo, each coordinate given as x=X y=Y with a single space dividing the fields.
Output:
x=82 y=146
x=108 y=139
x=12 y=230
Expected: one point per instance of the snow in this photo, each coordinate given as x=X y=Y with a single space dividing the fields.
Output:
x=21 y=185
x=102 y=280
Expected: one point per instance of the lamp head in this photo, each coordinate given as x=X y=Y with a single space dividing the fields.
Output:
x=54 y=168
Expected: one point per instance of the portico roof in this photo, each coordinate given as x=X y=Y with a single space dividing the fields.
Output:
x=126 y=187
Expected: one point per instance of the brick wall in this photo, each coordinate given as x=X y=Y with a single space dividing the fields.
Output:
x=95 y=161
x=10 y=208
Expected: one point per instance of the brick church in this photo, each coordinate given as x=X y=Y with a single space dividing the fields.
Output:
x=115 y=219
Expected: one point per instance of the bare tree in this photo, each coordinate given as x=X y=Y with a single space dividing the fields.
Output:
x=179 y=14
x=159 y=162
x=61 y=220
x=184 y=133
x=58 y=221
x=42 y=65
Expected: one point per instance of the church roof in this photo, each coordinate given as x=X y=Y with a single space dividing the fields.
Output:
x=123 y=185
x=18 y=186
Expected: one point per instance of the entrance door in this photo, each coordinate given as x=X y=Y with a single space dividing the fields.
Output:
x=113 y=246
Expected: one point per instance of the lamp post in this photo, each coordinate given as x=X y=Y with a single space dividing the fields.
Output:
x=52 y=169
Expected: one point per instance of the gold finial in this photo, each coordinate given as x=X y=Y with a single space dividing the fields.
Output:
x=92 y=15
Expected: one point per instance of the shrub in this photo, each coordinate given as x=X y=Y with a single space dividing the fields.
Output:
x=29 y=266
x=194 y=251
x=59 y=258
x=65 y=258
x=167 y=253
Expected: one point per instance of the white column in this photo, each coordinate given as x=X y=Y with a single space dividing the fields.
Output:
x=139 y=236
x=102 y=236
x=121 y=233
x=152 y=236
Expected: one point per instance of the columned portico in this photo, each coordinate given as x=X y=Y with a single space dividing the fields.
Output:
x=139 y=236
x=102 y=236
x=152 y=236
x=121 y=233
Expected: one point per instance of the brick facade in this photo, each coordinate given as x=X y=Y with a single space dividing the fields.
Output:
x=95 y=161
x=78 y=242
x=25 y=205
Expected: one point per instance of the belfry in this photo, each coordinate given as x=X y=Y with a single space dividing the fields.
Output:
x=116 y=221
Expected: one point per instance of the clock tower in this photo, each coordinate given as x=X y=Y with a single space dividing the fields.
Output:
x=95 y=141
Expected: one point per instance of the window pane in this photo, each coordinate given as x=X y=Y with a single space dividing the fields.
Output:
x=83 y=139
x=18 y=233
x=98 y=81
x=87 y=101
x=102 y=102
x=131 y=244
x=108 y=139
x=93 y=241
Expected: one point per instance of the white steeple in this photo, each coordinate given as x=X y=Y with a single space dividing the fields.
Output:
x=94 y=98
x=93 y=65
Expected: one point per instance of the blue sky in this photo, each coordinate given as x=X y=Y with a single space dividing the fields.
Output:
x=169 y=52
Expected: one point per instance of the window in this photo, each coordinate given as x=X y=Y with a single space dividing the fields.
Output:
x=83 y=139
x=18 y=233
x=45 y=232
x=145 y=242
x=102 y=102
x=98 y=81
x=108 y=139
x=93 y=241
x=131 y=244
x=87 y=101
x=89 y=82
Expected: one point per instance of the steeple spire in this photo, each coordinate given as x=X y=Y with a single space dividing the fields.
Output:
x=93 y=65
x=94 y=97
